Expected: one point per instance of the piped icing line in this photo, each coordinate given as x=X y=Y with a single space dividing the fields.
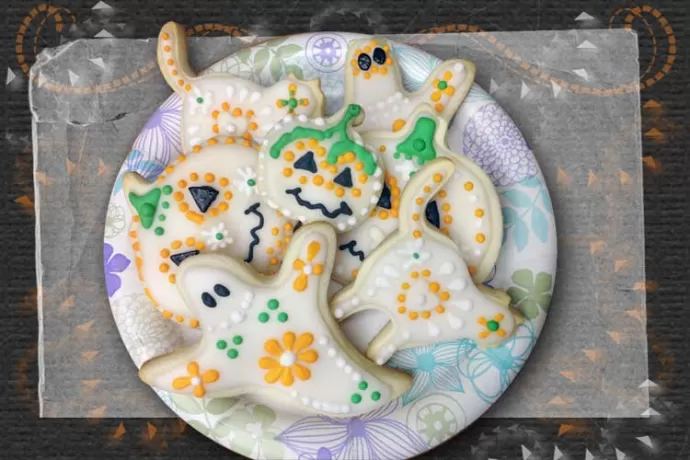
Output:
x=219 y=103
x=373 y=80
x=419 y=279
x=284 y=341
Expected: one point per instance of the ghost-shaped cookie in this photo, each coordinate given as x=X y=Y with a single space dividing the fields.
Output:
x=273 y=337
x=418 y=278
x=320 y=170
x=466 y=209
x=222 y=104
x=373 y=80
x=204 y=201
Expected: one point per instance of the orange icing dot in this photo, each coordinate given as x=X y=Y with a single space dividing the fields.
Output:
x=224 y=181
x=178 y=196
x=426 y=273
x=417 y=234
x=479 y=212
x=184 y=207
x=164 y=268
x=176 y=244
x=469 y=186
x=480 y=238
x=303 y=180
x=223 y=206
x=165 y=253
x=438 y=178
x=398 y=125
x=171 y=279
x=287 y=172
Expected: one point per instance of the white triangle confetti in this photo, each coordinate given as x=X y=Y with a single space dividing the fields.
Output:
x=524 y=90
x=649 y=412
x=10 y=76
x=645 y=440
x=493 y=87
x=454 y=322
x=581 y=73
x=556 y=88
x=648 y=384
x=587 y=45
x=73 y=77
x=99 y=62
x=588 y=455
x=41 y=79
x=104 y=34
x=525 y=452
x=584 y=17
x=102 y=6
x=619 y=455
x=557 y=454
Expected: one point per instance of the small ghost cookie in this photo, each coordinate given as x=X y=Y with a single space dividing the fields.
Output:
x=419 y=279
x=221 y=104
x=320 y=170
x=466 y=209
x=205 y=201
x=273 y=337
x=372 y=80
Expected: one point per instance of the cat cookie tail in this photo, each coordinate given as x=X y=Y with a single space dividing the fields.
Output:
x=447 y=86
x=172 y=58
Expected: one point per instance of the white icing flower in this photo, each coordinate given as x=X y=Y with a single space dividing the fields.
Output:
x=406 y=168
x=415 y=256
x=199 y=101
x=247 y=182
x=217 y=237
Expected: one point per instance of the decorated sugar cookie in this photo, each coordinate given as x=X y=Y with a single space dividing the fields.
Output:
x=320 y=170
x=372 y=80
x=273 y=337
x=221 y=104
x=419 y=279
x=466 y=209
x=205 y=201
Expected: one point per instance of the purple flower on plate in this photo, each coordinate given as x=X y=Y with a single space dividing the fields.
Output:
x=160 y=139
x=326 y=52
x=113 y=264
x=367 y=437
x=493 y=141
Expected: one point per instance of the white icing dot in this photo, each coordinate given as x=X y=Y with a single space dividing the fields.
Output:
x=319 y=121
x=380 y=105
x=237 y=316
x=390 y=348
x=340 y=362
x=277 y=127
x=210 y=328
x=338 y=313
x=323 y=340
x=433 y=329
x=406 y=335
x=473 y=198
x=359 y=142
x=371 y=293
x=307 y=269
x=356 y=377
x=293 y=394
x=364 y=212
x=316 y=405
x=478 y=223
x=355 y=301
x=348 y=369
x=286 y=212
x=255 y=96
x=477 y=252
x=196 y=381
x=464 y=305
x=231 y=128
x=265 y=142
x=377 y=186
x=249 y=296
x=406 y=101
x=398 y=96
x=302 y=219
x=374 y=199
x=345 y=409
x=223 y=325
x=378 y=172
x=454 y=322
x=326 y=407
x=341 y=226
x=446 y=268
x=306 y=400
x=287 y=119
x=331 y=352
x=380 y=361
x=459 y=67
x=351 y=221
x=457 y=284
x=287 y=359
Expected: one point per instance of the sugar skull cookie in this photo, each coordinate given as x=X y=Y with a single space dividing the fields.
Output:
x=466 y=209
x=418 y=278
x=273 y=337
x=320 y=170
x=221 y=104
x=205 y=201
x=372 y=80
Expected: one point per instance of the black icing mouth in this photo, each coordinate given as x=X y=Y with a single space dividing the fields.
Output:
x=344 y=209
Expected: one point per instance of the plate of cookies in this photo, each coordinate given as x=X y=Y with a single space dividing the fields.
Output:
x=339 y=247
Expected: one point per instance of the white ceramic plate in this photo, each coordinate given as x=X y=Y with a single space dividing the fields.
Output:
x=454 y=382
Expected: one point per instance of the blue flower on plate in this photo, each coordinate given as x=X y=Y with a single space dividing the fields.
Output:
x=370 y=436
x=138 y=162
x=491 y=370
x=433 y=367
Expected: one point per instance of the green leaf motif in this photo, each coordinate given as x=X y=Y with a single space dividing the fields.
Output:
x=243 y=55
x=540 y=226
x=199 y=426
x=523 y=278
x=260 y=60
x=187 y=404
x=223 y=428
x=276 y=41
x=295 y=70
x=520 y=234
x=287 y=51
x=264 y=415
x=517 y=198
x=219 y=406
x=546 y=200
x=532 y=182
x=531 y=294
x=276 y=69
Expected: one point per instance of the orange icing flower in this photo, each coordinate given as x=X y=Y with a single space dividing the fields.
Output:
x=307 y=268
x=284 y=362
x=195 y=380
x=443 y=87
x=492 y=325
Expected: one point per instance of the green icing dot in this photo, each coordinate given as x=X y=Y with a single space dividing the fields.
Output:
x=263 y=317
x=251 y=182
x=147 y=210
x=221 y=344
x=442 y=85
x=396 y=155
x=167 y=189
x=376 y=396
x=237 y=340
x=159 y=231
x=415 y=255
x=283 y=102
x=356 y=398
x=273 y=304
x=292 y=102
x=219 y=236
x=161 y=217
x=200 y=100
x=282 y=317
x=492 y=325
x=363 y=385
x=165 y=205
x=232 y=353
x=419 y=145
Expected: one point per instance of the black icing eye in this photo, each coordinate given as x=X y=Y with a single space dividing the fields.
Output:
x=379 y=56
x=432 y=214
x=306 y=162
x=344 y=178
x=221 y=290
x=364 y=61
x=385 y=199
x=203 y=196
x=208 y=300
x=178 y=258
